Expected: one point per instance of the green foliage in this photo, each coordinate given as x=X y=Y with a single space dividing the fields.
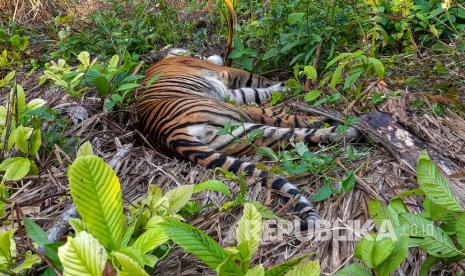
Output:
x=109 y=78
x=8 y=258
x=13 y=46
x=398 y=229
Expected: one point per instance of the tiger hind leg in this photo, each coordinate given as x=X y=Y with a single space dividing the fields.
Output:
x=194 y=150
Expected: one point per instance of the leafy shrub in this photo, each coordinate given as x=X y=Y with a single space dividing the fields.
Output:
x=438 y=230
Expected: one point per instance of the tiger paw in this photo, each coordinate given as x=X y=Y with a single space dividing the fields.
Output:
x=281 y=87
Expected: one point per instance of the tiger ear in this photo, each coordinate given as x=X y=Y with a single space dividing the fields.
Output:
x=216 y=59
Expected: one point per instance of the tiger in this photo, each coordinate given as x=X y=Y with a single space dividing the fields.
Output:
x=185 y=101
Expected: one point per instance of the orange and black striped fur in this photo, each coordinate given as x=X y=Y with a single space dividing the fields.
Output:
x=181 y=112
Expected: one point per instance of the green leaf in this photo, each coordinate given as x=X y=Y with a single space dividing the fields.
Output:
x=212 y=185
x=337 y=74
x=78 y=225
x=35 y=232
x=128 y=86
x=264 y=211
x=460 y=230
x=85 y=150
x=270 y=53
x=35 y=141
x=83 y=255
x=128 y=266
x=250 y=228
x=382 y=213
x=323 y=193
x=433 y=239
x=382 y=250
x=378 y=66
x=113 y=63
x=352 y=79
x=199 y=244
x=310 y=72
x=295 y=18
x=305 y=269
x=151 y=239
x=36 y=103
x=268 y=152
x=312 y=95
x=96 y=191
x=84 y=58
x=102 y=85
x=7 y=246
x=434 y=185
x=337 y=58
x=15 y=168
x=21 y=139
x=354 y=270
x=51 y=252
x=178 y=197
x=365 y=248
x=282 y=268
x=29 y=260
x=258 y=270
x=396 y=258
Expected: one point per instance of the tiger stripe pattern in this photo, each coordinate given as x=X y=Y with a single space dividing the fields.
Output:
x=181 y=112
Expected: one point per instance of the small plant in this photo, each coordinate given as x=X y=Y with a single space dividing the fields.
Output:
x=438 y=230
x=109 y=79
x=13 y=46
x=9 y=264
x=233 y=260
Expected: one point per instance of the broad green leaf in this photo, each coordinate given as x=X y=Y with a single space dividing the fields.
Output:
x=51 y=252
x=78 y=225
x=270 y=53
x=312 y=95
x=178 y=197
x=29 y=260
x=85 y=150
x=337 y=58
x=381 y=213
x=128 y=266
x=84 y=58
x=250 y=228
x=198 y=244
x=113 y=63
x=310 y=72
x=7 y=246
x=378 y=66
x=337 y=74
x=305 y=269
x=365 y=246
x=264 y=211
x=82 y=255
x=382 y=250
x=212 y=185
x=434 y=185
x=258 y=270
x=128 y=86
x=35 y=103
x=396 y=258
x=35 y=232
x=460 y=230
x=282 y=268
x=434 y=240
x=268 y=152
x=295 y=18
x=323 y=193
x=96 y=191
x=15 y=168
x=354 y=270
x=20 y=101
x=21 y=139
x=352 y=79
x=2 y=116
x=35 y=141
x=102 y=85
x=128 y=234
x=151 y=239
